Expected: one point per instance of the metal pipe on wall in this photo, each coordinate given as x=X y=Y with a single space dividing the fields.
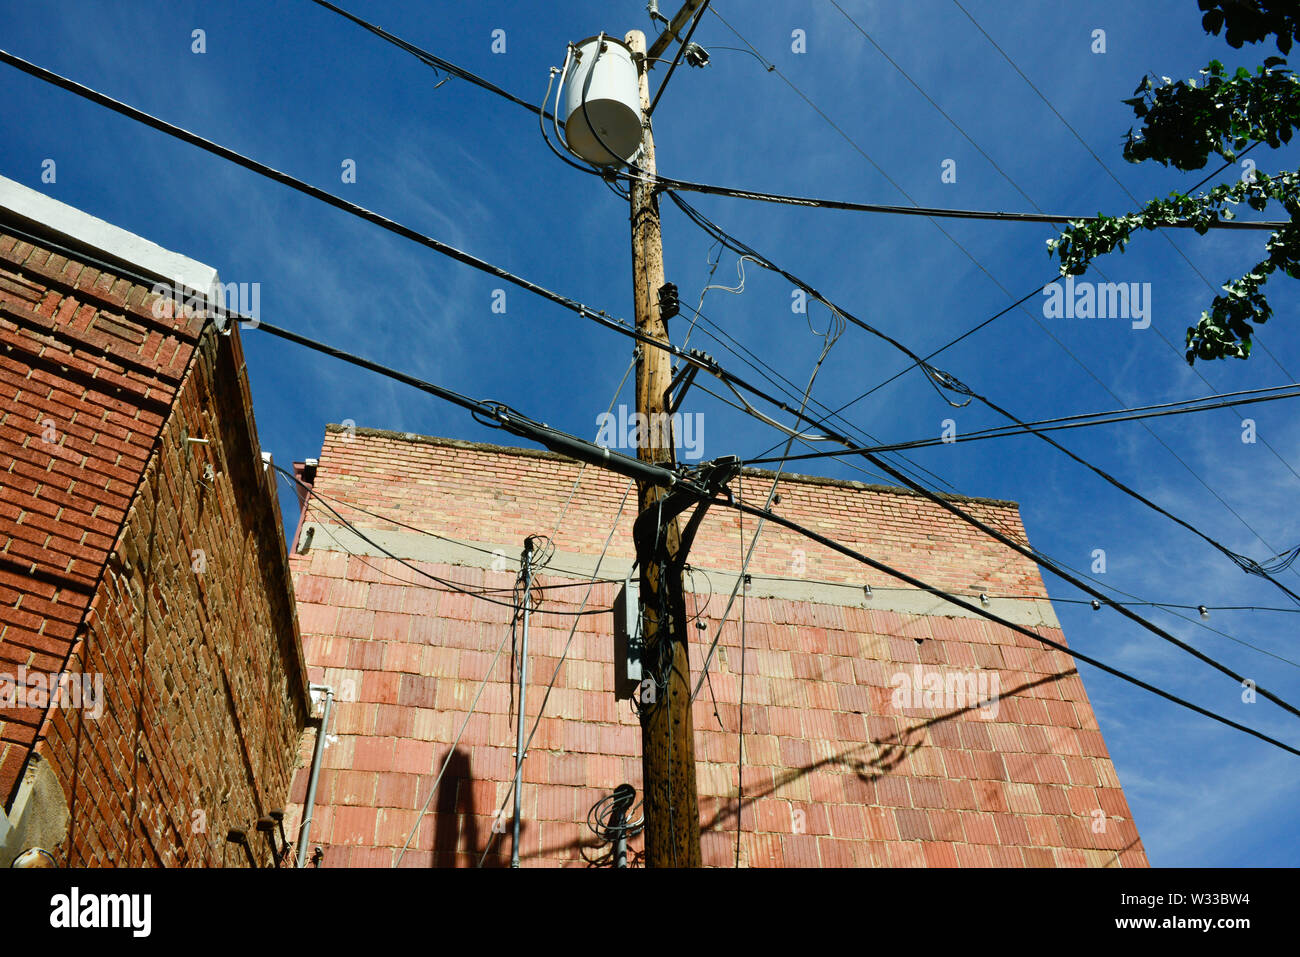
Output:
x=304 y=829
x=523 y=691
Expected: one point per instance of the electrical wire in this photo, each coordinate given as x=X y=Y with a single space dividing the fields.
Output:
x=439 y=63
x=452 y=750
x=392 y=226
x=1002 y=312
x=1006 y=541
x=940 y=379
x=1270 y=394
x=541 y=710
x=1251 y=567
x=243 y=161
x=600 y=317
x=1014 y=532
x=1167 y=607
x=738 y=349
x=1173 y=245
x=939 y=212
x=452 y=69
x=430 y=59
x=1245 y=563
x=472 y=405
x=740 y=720
x=446 y=583
x=997 y=619
x=681 y=49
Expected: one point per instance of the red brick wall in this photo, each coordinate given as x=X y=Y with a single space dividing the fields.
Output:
x=87 y=376
x=396 y=477
x=834 y=773
x=101 y=572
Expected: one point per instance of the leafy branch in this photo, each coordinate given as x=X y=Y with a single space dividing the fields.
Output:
x=1184 y=122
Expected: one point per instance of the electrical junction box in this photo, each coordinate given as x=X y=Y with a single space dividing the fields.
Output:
x=627 y=640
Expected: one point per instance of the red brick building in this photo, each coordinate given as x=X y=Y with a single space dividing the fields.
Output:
x=152 y=690
x=854 y=753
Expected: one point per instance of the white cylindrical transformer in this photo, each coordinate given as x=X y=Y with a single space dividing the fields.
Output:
x=602 y=103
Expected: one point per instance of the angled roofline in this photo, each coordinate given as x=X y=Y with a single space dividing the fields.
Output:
x=50 y=219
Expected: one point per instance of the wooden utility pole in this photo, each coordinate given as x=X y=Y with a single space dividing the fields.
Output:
x=671 y=799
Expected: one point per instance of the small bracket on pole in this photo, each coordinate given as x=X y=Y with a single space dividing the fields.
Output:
x=710 y=477
x=681 y=382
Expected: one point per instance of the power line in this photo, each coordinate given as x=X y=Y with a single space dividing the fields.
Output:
x=429 y=59
x=533 y=430
x=944 y=348
x=940 y=379
x=702 y=494
x=681 y=49
x=447 y=66
x=447 y=584
x=738 y=349
x=541 y=708
x=1171 y=609
x=502 y=415
x=997 y=315
x=1166 y=606
x=598 y=316
x=772 y=68
x=438 y=62
x=1242 y=562
x=1060 y=573
x=1270 y=394
x=930 y=372
x=1169 y=239
x=936 y=212
x=991 y=616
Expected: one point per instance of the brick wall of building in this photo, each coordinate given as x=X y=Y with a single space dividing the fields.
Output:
x=837 y=770
x=123 y=562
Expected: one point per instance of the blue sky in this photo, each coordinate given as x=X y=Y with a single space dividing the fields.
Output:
x=302 y=90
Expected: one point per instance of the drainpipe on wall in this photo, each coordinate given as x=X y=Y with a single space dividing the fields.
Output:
x=304 y=829
x=526 y=561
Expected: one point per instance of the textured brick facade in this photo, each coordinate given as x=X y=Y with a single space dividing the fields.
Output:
x=838 y=769
x=125 y=558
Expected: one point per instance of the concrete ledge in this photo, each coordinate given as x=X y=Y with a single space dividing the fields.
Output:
x=416 y=547
x=51 y=219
